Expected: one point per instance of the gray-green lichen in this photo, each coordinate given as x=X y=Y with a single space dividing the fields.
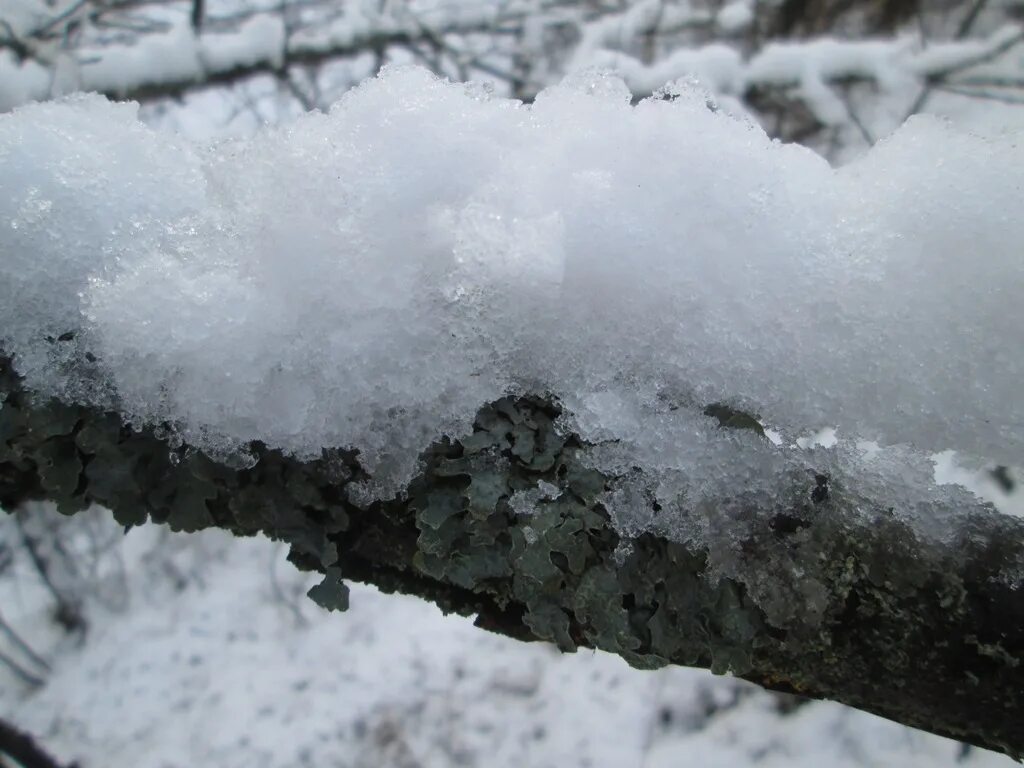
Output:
x=820 y=598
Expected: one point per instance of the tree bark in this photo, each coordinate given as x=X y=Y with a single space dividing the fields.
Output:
x=22 y=748
x=832 y=599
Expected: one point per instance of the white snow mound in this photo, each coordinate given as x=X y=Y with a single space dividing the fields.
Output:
x=370 y=277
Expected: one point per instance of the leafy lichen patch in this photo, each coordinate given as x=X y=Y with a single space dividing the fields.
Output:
x=827 y=594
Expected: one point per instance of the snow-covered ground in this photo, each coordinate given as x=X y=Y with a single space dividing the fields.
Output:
x=213 y=657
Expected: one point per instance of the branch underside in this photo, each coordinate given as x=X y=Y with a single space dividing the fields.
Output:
x=880 y=619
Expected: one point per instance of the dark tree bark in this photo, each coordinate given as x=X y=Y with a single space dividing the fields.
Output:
x=22 y=748
x=833 y=600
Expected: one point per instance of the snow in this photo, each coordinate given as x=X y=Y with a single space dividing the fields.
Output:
x=21 y=16
x=949 y=470
x=178 y=55
x=273 y=251
x=962 y=54
x=261 y=38
x=715 y=66
x=897 y=66
x=21 y=82
x=735 y=16
x=169 y=57
x=371 y=277
x=214 y=658
x=857 y=90
x=166 y=50
x=826 y=59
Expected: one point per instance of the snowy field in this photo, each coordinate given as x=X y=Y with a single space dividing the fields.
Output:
x=204 y=651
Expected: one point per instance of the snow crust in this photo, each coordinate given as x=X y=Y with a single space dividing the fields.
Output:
x=370 y=277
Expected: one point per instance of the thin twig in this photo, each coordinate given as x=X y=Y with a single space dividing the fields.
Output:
x=21 y=50
x=977 y=93
x=967 y=24
x=29 y=678
x=934 y=79
x=981 y=58
x=284 y=78
x=993 y=81
x=68 y=614
x=23 y=749
x=61 y=17
x=857 y=122
x=27 y=649
x=198 y=12
x=278 y=590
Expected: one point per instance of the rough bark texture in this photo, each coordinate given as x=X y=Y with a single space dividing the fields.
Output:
x=852 y=607
x=22 y=748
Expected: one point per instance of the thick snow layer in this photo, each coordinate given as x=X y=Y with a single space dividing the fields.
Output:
x=372 y=276
x=897 y=67
x=213 y=657
x=178 y=55
x=167 y=50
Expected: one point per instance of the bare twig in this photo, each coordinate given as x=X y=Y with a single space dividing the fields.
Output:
x=66 y=15
x=940 y=76
x=27 y=649
x=980 y=58
x=23 y=749
x=198 y=11
x=21 y=50
x=68 y=613
x=29 y=678
x=968 y=21
x=869 y=139
x=981 y=93
x=278 y=590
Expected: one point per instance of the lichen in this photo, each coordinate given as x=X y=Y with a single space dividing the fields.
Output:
x=826 y=596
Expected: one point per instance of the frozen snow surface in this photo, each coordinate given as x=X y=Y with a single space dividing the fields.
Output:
x=213 y=657
x=370 y=277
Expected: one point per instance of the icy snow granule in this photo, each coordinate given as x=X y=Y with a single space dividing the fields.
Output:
x=370 y=277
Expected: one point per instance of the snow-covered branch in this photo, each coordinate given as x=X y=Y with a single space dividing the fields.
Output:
x=315 y=50
x=552 y=364
x=826 y=593
x=22 y=747
x=169 y=56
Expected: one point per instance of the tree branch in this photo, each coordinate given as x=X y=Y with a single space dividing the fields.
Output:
x=832 y=597
x=23 y=749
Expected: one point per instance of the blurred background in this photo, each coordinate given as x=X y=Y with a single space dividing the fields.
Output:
x=836 y=75
x=161 y=650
